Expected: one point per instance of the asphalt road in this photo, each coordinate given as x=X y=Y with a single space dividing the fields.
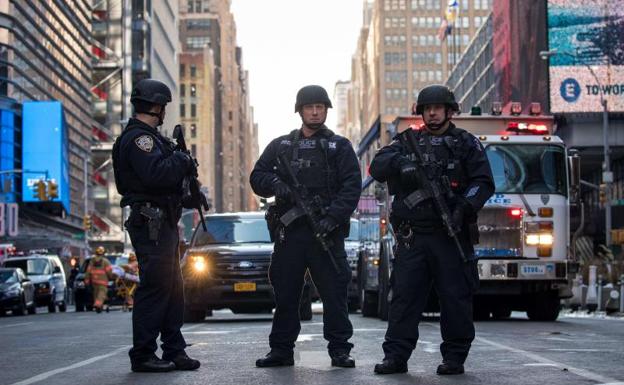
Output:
x=89 y=348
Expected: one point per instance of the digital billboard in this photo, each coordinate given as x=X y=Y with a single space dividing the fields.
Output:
x=587 y=35
x=44 y=150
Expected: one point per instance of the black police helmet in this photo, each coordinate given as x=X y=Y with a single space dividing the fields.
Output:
x=312 y=94
x=436 y=94
x=151 y=91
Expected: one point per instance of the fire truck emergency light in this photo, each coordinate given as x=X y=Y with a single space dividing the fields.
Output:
x=516 y=108
x=497 y=108
x=529 y=128
x=535 y=109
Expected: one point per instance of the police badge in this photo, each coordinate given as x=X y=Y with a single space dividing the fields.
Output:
x=145 y=143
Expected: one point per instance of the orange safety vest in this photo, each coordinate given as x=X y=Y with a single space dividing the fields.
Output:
x=98 y=272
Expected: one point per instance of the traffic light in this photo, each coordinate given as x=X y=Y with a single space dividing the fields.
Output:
x=52 y=190
x=40 y=189
x=86 y=222
x=602 y=196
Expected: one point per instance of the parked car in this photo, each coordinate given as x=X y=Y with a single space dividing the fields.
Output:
x=227 y=267
x=83 y=295
x=353 y=248
x=47 y=275
x=17 y=293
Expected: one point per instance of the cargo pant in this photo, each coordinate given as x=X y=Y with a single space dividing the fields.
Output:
x=424 y=261
x=99 y=295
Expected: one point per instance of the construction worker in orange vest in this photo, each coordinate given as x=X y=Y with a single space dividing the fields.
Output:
x=98 y=273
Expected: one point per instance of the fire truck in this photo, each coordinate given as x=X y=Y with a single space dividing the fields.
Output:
x=525 y=260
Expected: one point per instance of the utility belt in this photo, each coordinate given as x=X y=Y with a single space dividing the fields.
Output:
x=406 y=228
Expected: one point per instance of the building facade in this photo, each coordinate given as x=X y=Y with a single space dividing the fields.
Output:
x=46 y=56
x=132 y=40
x=211 y=23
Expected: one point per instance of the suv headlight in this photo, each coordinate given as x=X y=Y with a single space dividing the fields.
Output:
x=544 y=239
x=43 y=285
x=199 y=263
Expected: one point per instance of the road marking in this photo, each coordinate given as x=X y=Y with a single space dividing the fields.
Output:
x=19 y=324
x=307 y=337
x=209 y=332
x=543 y=360
x=43 y=376
x=580 y=350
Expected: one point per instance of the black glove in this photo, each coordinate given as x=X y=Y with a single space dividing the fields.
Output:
x=458 y=217
x=327 y=225
x=187 y=161
x=409 y=172
x=282 y=191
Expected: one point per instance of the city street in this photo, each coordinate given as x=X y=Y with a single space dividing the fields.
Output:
x=89 y=348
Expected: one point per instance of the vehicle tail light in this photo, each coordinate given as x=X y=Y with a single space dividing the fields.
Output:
x=545 y=212
x=516 y=213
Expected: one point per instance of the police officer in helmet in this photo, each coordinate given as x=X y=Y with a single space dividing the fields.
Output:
x=326 y=164
x=426 y=256
x=148 y=174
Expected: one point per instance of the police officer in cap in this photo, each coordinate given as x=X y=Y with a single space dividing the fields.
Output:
x=148 y=174
x=326 y=164
x=426 y=256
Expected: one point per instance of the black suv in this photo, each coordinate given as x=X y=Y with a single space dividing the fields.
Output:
x=227 y=267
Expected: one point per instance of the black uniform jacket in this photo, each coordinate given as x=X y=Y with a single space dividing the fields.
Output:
x=146 y=164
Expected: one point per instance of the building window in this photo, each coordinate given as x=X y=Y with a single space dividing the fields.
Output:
x=182 y=90
x=197 y=42
x=182 y=110
x=193 y=110
x=182 y=70
x=194 y=150
x=193 y=131
x=193 y=90
x=230 y=117
x=189 y=6
x=193 y=70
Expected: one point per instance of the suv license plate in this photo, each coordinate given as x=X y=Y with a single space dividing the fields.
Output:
x=245 y=286
x=533 y=270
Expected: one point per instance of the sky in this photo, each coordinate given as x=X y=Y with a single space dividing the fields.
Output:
x=288 y=44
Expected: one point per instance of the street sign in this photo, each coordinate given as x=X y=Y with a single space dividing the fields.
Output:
x=9 y=217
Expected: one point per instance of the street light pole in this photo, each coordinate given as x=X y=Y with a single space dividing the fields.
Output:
x=607 y=175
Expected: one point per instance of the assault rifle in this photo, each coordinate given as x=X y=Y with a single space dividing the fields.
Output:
x=310 y=207
x=434 y=188
x=192 y=197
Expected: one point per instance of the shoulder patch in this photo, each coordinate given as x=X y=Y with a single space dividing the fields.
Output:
x=145 y=143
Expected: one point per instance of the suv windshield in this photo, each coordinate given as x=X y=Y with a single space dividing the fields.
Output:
x=34 y=266
x=354 y=231
x=7 y=277
x=231 y=230
x=529 y=169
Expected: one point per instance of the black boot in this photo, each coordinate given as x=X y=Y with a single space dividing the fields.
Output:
x=275 y=359
x=153 y=364
x=343 y=360
x=184 y=362
x=449 y=367
x=390 y=366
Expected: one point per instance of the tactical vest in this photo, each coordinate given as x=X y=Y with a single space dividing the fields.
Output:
x=449 y=150
x=313 y=163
